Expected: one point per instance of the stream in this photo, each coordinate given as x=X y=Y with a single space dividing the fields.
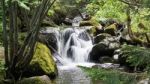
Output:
x=72 y=75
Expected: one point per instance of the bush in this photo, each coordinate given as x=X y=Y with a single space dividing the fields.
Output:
x=137 y=56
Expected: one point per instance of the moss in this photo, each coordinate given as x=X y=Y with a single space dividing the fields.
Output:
x=91 y=22
x=113 y=26
x=111 y=29
x=42 y=62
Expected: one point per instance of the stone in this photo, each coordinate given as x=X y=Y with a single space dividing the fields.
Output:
x=49 y=36
x=35 y=80
x=106 y=59
x=100 y=50
x=105 y=47
x=111 y=30
x=100 y=37
x=106 y=66
x=66 y=34
x=42 y=63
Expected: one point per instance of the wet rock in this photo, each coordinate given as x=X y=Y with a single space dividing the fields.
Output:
x=42 y=63
x=106 y=66
x=68 y=21
x=100 y=37
x=52 y=40
x=84 y=36
x=66 y=34
x=100 y=50
x=106 y=59
x=111 y=30
x=49 y=36
x=105 y=47
x=35 y=80
x=116 y=55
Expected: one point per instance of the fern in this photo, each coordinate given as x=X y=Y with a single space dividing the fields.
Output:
x=137 y=56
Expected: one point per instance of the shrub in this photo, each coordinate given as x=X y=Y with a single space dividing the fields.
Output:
x=137 y=56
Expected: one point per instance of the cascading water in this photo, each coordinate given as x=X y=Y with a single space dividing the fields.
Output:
x=74 y=45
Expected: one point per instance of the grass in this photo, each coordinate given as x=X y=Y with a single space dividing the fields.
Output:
x=111 y=76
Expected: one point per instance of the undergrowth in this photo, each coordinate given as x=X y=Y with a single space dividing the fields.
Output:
x=137 y=56
x=110 y=76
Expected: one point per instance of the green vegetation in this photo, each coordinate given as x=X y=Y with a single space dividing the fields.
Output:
x=137 y=56
x=110 y=76
x=1 y=70
x=107 y=9
x=31 y=16
x=116 y=9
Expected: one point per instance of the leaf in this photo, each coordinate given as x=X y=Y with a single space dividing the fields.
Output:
x=23 y=5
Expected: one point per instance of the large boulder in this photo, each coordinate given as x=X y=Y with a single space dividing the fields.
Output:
x=42 y=63
x=100 y=37
x=50 y=39
x=49 y=36
x=105 y=47
x=35 y=80
x=98 y=51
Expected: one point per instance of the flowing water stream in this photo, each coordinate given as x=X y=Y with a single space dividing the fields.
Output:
x=73 y=47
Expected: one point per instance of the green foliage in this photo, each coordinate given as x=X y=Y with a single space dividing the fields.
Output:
x=107 y=9
x=137 y=56
x=109 y=76
x=102 y=9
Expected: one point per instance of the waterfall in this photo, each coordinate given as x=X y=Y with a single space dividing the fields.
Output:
x=77 y=46
x=74 y=44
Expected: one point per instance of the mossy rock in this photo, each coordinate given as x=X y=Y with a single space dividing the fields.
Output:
x=96 y=29
x=111 y=29
x=35 y=80
x=42 y=63
x=91 y=22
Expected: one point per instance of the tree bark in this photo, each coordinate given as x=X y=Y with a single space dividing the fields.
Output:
x=5 y=38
